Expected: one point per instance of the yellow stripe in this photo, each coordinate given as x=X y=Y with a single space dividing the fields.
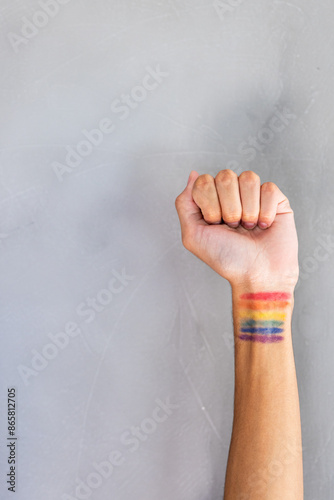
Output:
x=267 y=315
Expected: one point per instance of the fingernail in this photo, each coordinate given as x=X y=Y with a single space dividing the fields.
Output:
x=263 y=225
x=189 y=178
x=248 y=225
x=233 y=224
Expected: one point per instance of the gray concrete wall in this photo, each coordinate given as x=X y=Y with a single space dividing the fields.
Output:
x=108 y=323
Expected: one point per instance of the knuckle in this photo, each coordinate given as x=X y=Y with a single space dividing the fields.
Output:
x=231 y=217
x=226 y=177
x=250 y=217
x=212 y=217
x=203 y=181
x=266 y=218
x=249 y=177
x=269 y=187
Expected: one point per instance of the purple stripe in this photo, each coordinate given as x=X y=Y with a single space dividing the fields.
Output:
x=262 y=338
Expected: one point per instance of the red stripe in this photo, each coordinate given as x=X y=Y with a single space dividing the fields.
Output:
x=266 y=296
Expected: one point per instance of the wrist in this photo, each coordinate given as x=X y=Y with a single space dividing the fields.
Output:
x=262 y=313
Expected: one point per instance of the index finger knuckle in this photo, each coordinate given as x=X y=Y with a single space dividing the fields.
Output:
x=204 y=181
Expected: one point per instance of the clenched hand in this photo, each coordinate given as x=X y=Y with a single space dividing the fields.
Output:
x=244 y=231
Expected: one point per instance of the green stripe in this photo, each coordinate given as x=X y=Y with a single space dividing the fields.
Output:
x=261 y=323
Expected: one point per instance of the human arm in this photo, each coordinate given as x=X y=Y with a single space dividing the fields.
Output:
x=265 y=459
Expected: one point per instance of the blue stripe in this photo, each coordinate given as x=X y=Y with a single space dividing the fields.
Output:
x=263 y=331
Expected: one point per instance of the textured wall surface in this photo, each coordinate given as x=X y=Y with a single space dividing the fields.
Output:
x=117 y=340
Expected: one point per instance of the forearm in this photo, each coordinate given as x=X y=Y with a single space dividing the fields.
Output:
x=257 y=239
x=265 y=460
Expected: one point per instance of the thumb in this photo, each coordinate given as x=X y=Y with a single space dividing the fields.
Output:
x=187 y=209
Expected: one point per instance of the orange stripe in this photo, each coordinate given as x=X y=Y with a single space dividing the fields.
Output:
x=261 y=305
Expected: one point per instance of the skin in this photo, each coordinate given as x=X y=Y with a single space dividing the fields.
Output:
x=246 y=232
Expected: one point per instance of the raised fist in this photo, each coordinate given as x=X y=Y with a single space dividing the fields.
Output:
x=244 y=231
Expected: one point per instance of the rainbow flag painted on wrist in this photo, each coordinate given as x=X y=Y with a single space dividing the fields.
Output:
x=262 y=316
